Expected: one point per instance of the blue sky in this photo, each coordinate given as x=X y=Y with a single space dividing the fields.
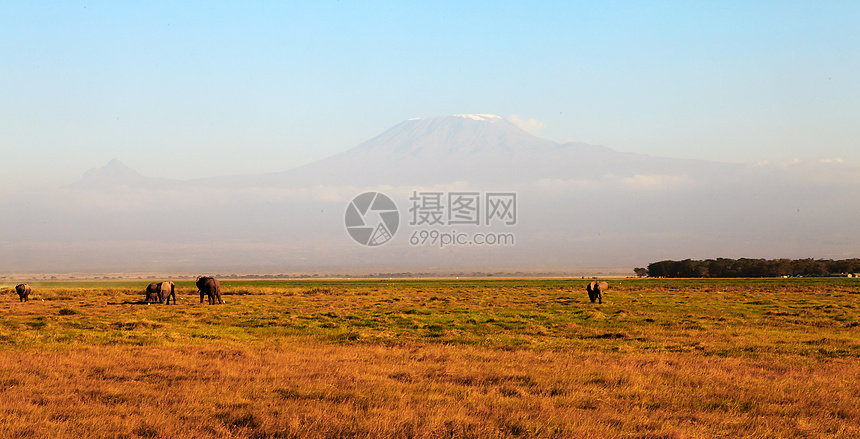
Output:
x=207 y=89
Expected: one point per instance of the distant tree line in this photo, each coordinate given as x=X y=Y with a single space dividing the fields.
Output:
x=723 y=267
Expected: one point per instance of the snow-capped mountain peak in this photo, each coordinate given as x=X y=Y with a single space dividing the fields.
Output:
x=486 y=117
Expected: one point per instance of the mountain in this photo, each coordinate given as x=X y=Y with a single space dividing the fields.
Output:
x=479 y=149
x=472 y=149
x=116 y=174
x=578 y=206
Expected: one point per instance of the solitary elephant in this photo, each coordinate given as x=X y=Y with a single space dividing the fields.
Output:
x=23 y=291
x=210 y=287
x=595 y=291
x=166 y=289
x=152 y=294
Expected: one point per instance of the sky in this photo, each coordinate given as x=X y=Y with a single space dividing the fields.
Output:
x=216 y=88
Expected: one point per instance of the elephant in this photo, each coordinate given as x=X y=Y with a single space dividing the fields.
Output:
x=595 y=291
x=152 y=293
x=210 y=287
x=166 y=289
x=23 y=291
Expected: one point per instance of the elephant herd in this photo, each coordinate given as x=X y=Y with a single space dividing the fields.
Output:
x=211 y=288
x=161 y=292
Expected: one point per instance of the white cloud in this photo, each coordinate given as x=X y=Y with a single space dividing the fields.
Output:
x=650 y=182
x=564 y=185
x=531 y=125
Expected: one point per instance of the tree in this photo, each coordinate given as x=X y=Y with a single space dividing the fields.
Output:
x=640 y=272
x=746 y=267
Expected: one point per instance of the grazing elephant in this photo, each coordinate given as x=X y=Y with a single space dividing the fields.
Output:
x=210 y=287
x=595 y=291
x=166 y=289
x=23 y=291
x=152 y=294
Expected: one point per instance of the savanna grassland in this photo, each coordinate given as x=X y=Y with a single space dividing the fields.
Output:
x=434 y=359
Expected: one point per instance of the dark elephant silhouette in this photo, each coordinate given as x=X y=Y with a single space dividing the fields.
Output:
x=595 y=291
x=166 y=290
x=152 y=294
x=210 y=287
x=23 y=291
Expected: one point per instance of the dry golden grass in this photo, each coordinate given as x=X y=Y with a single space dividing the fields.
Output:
x=476 y=359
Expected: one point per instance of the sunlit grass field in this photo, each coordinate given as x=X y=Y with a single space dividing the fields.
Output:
x=483 y=358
